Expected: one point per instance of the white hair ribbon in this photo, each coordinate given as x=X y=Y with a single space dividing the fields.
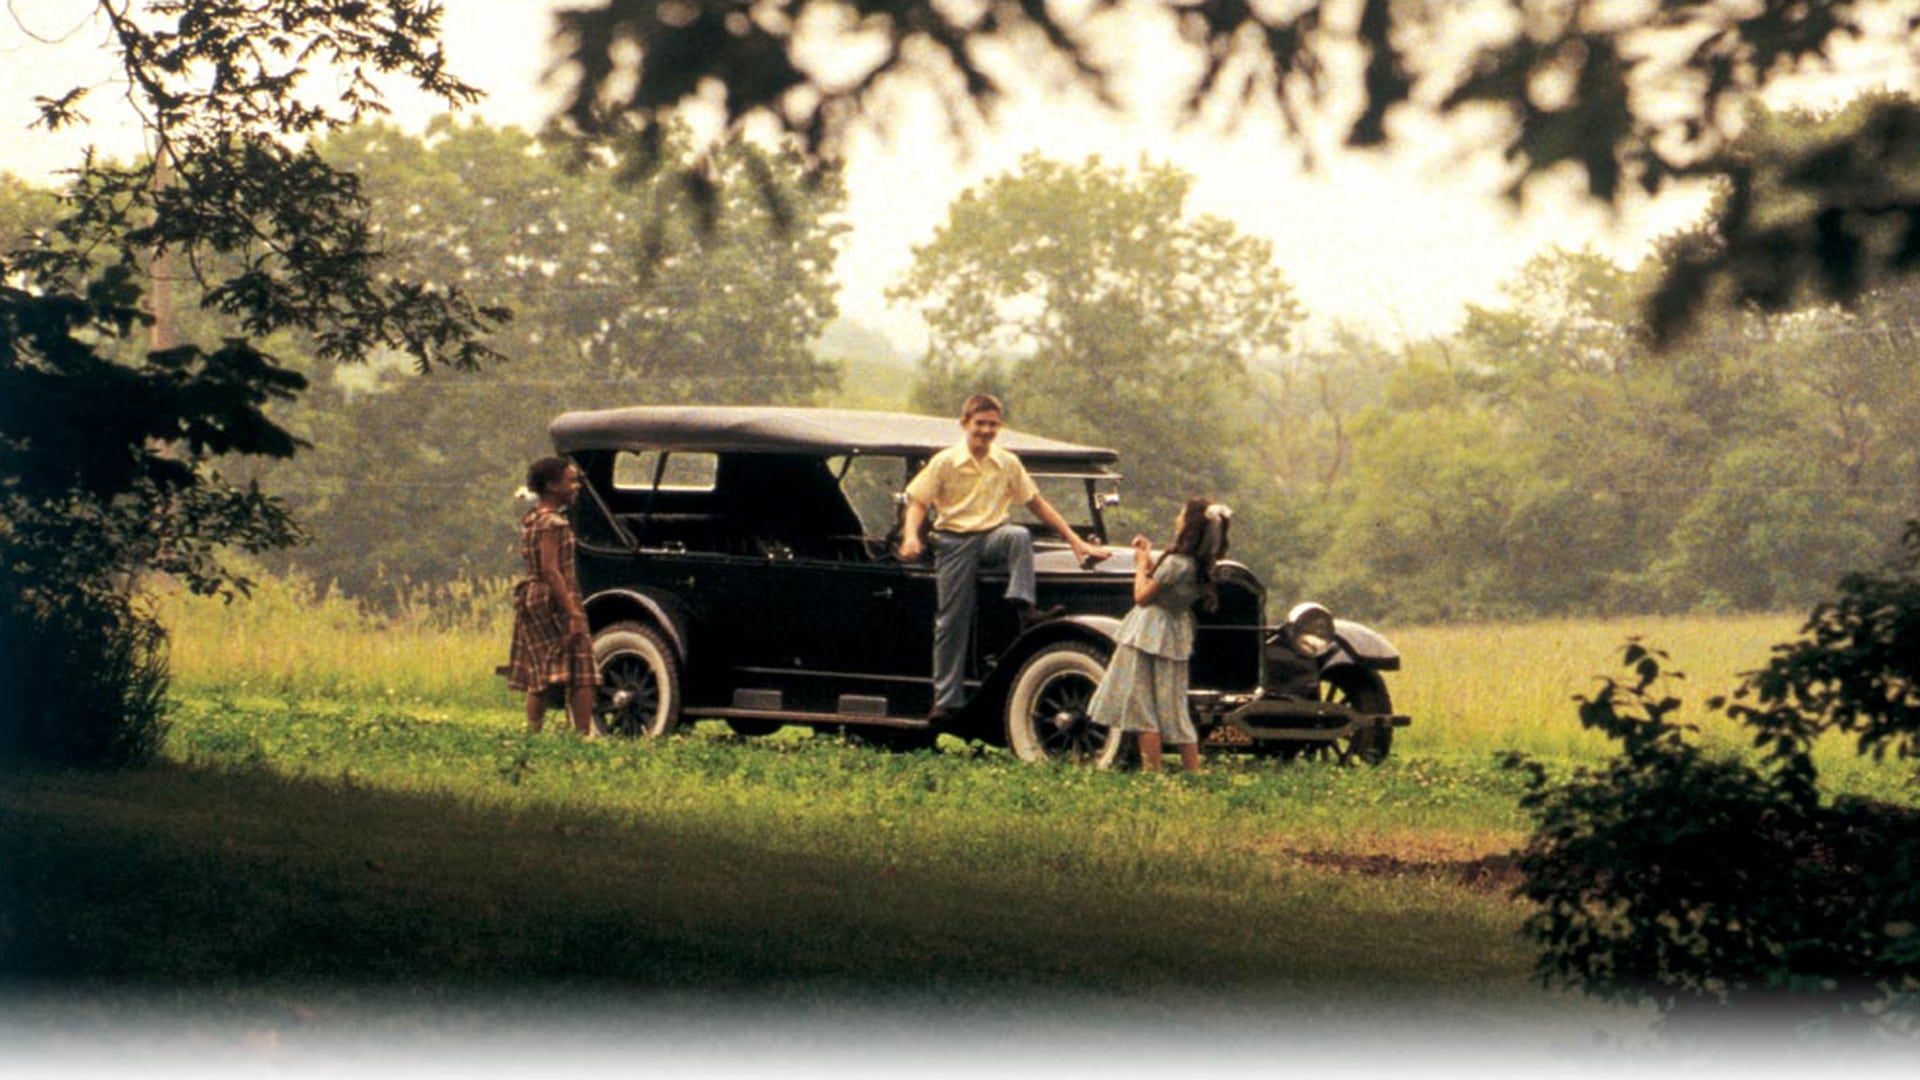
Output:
x=1218 y=515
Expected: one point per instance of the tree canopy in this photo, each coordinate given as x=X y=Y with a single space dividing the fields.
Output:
x=1632 y=96
x=620 y=295
x=1546 y=459
x=1104 y=310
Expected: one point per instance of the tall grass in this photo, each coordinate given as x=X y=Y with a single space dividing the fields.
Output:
x=436 y=645
x=1477 y=689
x=1474 y=687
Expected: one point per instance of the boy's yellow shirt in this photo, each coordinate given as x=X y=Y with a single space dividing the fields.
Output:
x=971 y=496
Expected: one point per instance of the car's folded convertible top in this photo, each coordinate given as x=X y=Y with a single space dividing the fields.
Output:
x=770 y=429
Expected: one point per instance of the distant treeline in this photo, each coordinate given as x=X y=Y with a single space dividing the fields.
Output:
x=1544 y=460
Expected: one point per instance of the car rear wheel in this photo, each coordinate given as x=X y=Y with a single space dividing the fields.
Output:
x=639 y=681
x=1364 y=692
x=1047 y=708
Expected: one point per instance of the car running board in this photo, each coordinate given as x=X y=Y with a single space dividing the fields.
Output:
x=788 y=716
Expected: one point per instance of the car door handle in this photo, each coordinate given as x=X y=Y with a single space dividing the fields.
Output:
x=883 y=594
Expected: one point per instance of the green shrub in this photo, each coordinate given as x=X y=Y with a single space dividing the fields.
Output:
x=84 y=683
x=1697 y=882
x=1855 y=669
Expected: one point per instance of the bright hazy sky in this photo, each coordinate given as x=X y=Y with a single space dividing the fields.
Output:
x=1395 y=245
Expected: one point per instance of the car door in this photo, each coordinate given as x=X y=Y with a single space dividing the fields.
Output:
x=855 y=623
x=858 y=634
x=691 y=549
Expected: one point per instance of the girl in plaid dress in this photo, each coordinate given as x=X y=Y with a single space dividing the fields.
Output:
x=552 y=647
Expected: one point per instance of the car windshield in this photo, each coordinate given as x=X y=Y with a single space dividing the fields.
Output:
x=872 y=485
x=1068 y=494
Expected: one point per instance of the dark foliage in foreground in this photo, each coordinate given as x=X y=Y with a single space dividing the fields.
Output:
x=85 y=684
x=103 y=476
x=1696 y=882
x=111 y=426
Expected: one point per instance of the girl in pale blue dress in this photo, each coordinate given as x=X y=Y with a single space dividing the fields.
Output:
x=1145 y=688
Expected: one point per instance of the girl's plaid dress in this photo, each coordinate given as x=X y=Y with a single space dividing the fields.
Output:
x=544 y=654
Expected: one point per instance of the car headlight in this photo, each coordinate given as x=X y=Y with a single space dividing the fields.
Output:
x=1310 y=644
x=1310 y=629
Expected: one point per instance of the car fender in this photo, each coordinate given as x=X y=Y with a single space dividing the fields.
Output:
x=1105 y=627
x=1358 y=644
x=613 y=605
x=1095 y=629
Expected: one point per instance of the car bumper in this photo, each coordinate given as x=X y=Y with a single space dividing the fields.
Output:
x=1259 y=720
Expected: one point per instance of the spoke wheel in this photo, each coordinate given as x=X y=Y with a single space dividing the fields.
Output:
x=1364 y=692
x=1047 y=708
x=639 y=681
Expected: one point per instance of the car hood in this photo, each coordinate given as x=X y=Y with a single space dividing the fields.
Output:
x=1058 y=559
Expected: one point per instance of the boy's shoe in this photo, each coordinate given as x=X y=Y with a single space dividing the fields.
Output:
x=1031 y=616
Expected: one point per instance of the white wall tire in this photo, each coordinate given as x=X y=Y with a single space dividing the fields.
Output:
x=1046 y=711
x=639 y=691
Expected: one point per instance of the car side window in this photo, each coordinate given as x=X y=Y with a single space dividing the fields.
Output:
x=686 y=470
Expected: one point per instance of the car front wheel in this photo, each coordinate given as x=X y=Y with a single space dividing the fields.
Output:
x=639 y=681
x=1365 y=692
x=1047 y=708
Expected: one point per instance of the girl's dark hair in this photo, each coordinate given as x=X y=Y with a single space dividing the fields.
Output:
x=1192 y=542
x=545 y=473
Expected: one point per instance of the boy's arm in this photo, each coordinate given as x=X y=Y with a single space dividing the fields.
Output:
x=910 y=546
x=920 y=493
x=1082 y=551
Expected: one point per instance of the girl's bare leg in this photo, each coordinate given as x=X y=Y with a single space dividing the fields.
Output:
x=1149 y=751
x=536 y=711
x=1189 y=757
x=580 y=708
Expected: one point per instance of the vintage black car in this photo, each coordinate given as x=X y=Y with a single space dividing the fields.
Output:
x=739 y=563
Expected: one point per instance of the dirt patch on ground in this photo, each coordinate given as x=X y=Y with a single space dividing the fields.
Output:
x=1497 y=873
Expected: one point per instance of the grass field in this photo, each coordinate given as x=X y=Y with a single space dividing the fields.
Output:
x=349 y=810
